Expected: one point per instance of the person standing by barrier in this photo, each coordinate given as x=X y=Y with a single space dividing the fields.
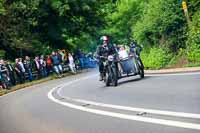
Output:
x=71 y=63
x=43 y=66
x=80 y=58
x=38 y=67
x=5 y=80
x=18 y=71
x=61 y=55
x=23 y=69
x=56 y=63
x=10 y=72
x=28 y=67
x=60 y=60
x=49 y=64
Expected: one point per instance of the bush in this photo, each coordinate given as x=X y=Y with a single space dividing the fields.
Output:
x=156 y=58
x=2 y=53
x=193 y=42
x=193 y=53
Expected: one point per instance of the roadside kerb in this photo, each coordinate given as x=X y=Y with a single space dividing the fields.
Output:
x=173 y=70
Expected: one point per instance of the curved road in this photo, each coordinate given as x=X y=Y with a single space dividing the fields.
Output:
x=82 y=104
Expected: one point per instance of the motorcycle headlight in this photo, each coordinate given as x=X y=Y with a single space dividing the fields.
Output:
x=110 y=58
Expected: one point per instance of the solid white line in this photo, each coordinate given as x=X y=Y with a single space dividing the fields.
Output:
x=128 y=108
x=125 y=116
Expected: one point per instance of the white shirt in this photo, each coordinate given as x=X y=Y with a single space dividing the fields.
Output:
x=71 y=60
x=22 y=66
x=123 y=54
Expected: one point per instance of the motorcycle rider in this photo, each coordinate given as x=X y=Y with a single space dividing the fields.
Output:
x=102 y=52
x=134 y=47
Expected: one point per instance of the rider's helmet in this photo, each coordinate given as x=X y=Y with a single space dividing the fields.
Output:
x=104 y=39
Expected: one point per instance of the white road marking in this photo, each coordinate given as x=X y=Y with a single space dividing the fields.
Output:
x=125 y=116
x=128 y=108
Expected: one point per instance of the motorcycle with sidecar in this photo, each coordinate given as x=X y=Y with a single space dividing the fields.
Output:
x=122 y=65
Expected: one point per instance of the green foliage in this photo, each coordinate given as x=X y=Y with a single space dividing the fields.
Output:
x=161 y=24
x=2 y=53
x=193 y=42
x=30 y=26
x=178 y=60
x=158 y=25
x=156 y=58
x=121 y=20
x=2 y=9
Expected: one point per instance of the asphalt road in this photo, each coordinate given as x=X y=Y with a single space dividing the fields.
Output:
x=82 y=104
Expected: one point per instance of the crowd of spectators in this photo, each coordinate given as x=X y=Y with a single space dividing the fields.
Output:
x=29 y=69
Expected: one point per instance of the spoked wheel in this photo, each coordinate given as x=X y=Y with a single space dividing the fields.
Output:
x=111 y=77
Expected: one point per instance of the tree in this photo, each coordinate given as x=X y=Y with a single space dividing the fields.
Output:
x=162 y=24
x=122 y=17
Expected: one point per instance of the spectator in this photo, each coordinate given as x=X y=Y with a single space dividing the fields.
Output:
x=38 y=67
x=80 y=58
x=1 y=83
x=43 y=66
x=28 y=67
x=61 y=54
x=18 y=71
x=49 y=65
x=59 y=57
x=71 y=63
x=11 y=72
x=4 y=75
x=22 y=68
x=56 y=63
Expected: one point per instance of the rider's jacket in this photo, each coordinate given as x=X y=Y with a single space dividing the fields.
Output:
x=105 y=50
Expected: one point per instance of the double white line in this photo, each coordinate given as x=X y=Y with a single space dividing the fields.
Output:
x=180 y=124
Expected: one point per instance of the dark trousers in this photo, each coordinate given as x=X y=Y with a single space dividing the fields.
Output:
x=101 y=67
x=30 y=75
x=20 y=77
x=39 y=73
x=44 y=72
x=12 y=78
x=49 y=69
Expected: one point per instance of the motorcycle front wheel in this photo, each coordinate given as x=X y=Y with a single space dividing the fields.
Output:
x=114 y=76
x=106 y=79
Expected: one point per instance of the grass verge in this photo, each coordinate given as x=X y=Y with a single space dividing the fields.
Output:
x=193 y=64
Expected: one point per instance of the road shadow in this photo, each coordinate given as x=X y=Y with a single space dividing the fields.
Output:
x=125 y=81
x=132 y=80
